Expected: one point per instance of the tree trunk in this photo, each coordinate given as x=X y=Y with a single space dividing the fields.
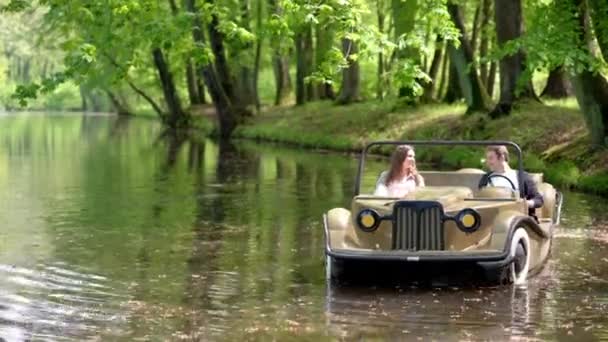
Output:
x=476 y=28
x=591 y=89
x=245 y=86
x=200 y=86
x=598 y=11
x=509 y=25
x=445 y=67
x=592 y=94
x=453 y=93
x=190 y=71
x=282 y=78
x=430 y=88
x=83 y=99
x=486 y=12
x=311 y=91
x=258 y=56
x=280 y=65
x=136 y=89
x=216 y=38
x=325 y=38
x=462 y=58
x=380 y=75
x=96 y=101
x=404 y=16
x=192 y=83
x=304 y=91
x=173 y=6
x=492 y=78
x=26 y=70
x=176 y=116
x=217 y=78
x=350 y=76
x=45 y=66
x=119 y=107
x=300 y=70
x=558 y=85
x=245 y=92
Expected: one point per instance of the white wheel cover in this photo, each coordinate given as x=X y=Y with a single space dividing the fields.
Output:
x=520 y=235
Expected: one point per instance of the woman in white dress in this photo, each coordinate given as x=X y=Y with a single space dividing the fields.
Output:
x=402 y=178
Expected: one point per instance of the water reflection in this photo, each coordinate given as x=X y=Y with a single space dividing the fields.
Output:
x=52 y=302
x=114 y=230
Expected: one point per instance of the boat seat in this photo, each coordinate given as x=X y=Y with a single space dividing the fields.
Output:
x=452 y=178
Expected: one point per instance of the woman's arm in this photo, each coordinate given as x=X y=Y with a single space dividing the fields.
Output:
x=420 y=180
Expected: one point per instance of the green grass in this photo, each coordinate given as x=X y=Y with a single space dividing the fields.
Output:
x=325 y=125
x=552 y=135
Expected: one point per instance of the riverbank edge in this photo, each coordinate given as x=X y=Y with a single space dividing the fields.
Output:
x=314 y=127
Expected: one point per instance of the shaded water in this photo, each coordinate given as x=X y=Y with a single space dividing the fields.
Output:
x=108 y=232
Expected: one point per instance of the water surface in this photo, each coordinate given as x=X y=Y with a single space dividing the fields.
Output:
x=110 y=232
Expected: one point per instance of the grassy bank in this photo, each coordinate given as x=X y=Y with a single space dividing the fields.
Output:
x=552 y=135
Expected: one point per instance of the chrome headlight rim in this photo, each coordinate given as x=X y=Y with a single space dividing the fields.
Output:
x=460 y=216
x=374 y=214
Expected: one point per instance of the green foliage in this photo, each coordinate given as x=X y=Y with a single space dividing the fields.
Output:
x=596 y=183
x=533 y=162
x=552 y=38
x=563 y=174
x=15 y=6
x=461 y=157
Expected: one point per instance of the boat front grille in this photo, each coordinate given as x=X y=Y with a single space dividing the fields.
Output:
x=418 y=227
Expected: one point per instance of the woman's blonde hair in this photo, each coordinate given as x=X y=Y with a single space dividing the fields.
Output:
x=397 y=160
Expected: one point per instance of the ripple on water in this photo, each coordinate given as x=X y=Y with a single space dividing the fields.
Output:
x=52 y=302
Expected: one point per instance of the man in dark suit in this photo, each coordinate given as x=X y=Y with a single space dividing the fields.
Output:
x=501 y=174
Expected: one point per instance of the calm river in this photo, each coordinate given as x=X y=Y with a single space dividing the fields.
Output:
x=109 y=233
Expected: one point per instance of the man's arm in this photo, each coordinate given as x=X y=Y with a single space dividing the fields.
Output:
x=535 y=199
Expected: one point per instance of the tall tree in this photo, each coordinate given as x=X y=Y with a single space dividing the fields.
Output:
x=453 y=91
x=486 y=15
x=217 y=75
x=404 y=18
x=591 y=87
x=443 y=83
x=304 y=64
x=245 y=85
x=558 y=84
x=351 y=82
x=258 y=55
x=430 y=88
x=324 y=36
x=192 y=84
x=380 y=84
x=509 y=21
x=462 y=58
x=280 y=60
x=176 y=116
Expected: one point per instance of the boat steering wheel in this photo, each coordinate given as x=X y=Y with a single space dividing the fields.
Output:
x=494 y=175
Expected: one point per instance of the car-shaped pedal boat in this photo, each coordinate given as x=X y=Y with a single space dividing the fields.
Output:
x=448 y=222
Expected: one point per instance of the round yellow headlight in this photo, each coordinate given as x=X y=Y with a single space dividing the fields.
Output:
x=468 y=220
x=367 y=220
